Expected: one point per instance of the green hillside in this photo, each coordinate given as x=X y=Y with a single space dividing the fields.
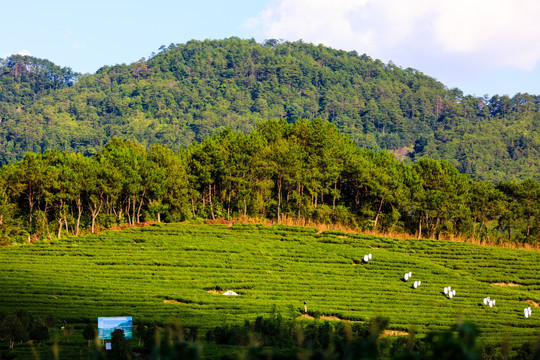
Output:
x=187 y=91
x=163 y=272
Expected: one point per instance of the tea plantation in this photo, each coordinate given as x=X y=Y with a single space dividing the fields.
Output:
x=163 y=272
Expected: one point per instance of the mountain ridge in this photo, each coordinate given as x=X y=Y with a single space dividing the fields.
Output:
x=186 y=92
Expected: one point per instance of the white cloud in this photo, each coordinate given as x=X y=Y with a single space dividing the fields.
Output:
x=24 y=52
x=475 y=33
x=21 y=52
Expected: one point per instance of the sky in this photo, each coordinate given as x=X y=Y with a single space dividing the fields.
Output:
x=482 y=47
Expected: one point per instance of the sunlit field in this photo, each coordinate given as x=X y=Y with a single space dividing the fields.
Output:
x=178 y=271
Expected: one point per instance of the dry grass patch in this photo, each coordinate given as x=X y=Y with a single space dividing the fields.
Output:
x=506 y=284
x=128 y=226
x=172 y=301
x=327 y=317
x=394 y=333
x=533 y=303
x=334 y=318
x=290 y=221
x=214 y=292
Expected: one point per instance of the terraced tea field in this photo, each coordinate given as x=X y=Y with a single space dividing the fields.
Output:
x=166 y=271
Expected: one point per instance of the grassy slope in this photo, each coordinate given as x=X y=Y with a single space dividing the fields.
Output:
x=133 y=271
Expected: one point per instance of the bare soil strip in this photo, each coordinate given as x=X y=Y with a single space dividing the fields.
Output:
x=335 y=318
x=126 y=226
x=506 y=284
x=394 y=333
x=171 y=301
x=326 y=317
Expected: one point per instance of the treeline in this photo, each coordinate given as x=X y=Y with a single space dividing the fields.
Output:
x=24 y=79
x=22 y=326
x=306 y=170
x=189 y=91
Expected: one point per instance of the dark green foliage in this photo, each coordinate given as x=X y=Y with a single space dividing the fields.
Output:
x=339 y=340
x=190 y=91
x=521 y=214
x=39 y=333
x=320 y=338
x=307 y=171
x=89 y=333
x=7 y=355
x=146 y=334
x=49 y=320
x=457 y=344
x=120 y=346
x=12 y=329
x=68 y=330
x=24 y=79
x=178 y=350
x=530 y=350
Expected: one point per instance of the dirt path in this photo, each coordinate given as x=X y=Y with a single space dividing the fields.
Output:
x=326 y=317
x=394 y=333
x=171 y=301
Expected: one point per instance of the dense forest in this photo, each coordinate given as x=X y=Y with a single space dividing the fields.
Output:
x=305 y=170
x=186 y=92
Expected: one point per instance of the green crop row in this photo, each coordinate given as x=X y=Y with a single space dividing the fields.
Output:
x=161 y=272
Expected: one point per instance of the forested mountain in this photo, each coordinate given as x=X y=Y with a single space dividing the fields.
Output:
x=186 y=92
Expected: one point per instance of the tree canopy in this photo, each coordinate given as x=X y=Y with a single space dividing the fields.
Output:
x=306 y=170
x=190 y=91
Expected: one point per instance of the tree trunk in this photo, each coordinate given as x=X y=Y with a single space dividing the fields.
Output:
x=134 y=217
x=59 y=228
x=480 y=229
x=378 y=213
x=334 y=197
x=210 y=201
x=436 y=233
x=140 y=206
x=118 y=214
x=419 y=228
x=193 y=206
x=95 y=212
x=30 y=202
x=93 y=228
x=79 y=209
x=229 y=202
x=279 y=184
x=128 y=211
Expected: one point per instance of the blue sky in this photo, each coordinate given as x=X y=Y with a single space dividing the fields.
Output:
x=479 y=46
